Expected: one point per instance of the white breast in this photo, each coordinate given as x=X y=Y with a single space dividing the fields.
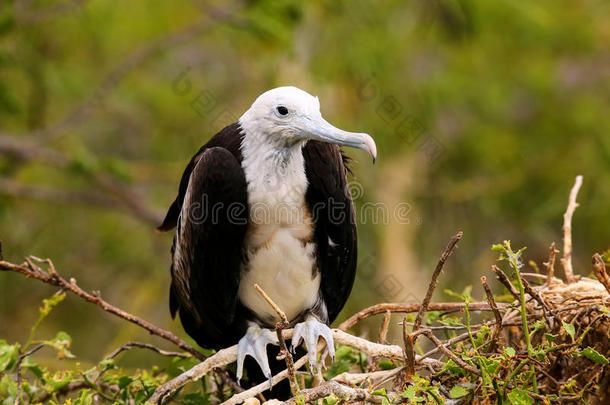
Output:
x=284 y=269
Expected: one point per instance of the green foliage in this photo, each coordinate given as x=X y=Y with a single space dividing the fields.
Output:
x=345 y=359
x=593 y=355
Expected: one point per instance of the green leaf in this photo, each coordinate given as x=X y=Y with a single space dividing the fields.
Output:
x=411 y=394
x=124 y=381
x=106 y=365
x=47 y=306
x=509 y=352
x=8 y=355
x=458 y=392
x=8 y=388
x=380 y=392
x=550 y=338
x=569 y=329
x=59 y=380
x=594 y=356
x=31 y=365
x=453 y=368
x=520 y=397
x=538 y=326
x=386 y=365
x=61 y=342
x=85 y=397
x=491 y=365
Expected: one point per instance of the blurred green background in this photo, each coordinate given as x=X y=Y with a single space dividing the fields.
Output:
x=483 y=113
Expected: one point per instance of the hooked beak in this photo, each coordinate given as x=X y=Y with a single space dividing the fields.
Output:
x=320 y=130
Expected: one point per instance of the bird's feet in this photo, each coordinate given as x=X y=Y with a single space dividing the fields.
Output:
x=254 y=343
x=310 y=331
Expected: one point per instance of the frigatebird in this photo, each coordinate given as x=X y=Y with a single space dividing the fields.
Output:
x=265 y=201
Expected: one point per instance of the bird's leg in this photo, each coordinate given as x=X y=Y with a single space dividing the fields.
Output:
x=254 y=343
x=310 y=331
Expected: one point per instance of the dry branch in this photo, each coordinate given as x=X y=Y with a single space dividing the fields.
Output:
x=129 y=345
x=284 y=353
x=52 y=277
x=494 y=308
x=566 y=260
x=410 y=338
x=599 y=269
x=19 y=376
x=410 y=308
x=503 y=278
x=550 y=264
x=437 y=271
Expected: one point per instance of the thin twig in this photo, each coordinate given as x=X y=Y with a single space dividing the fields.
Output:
x=503 y=278
x=550 y=265
x=538 y=297
x=383 y=329
x=566 y=260
x=410 y=308
x=449 y=353
x=19 y=377
x=129 y=345
x=437 y=271
x=409 y=342
x=284 y=353
x=410 y=338
x=494 y=308
x=357 y=378
x=599 y=269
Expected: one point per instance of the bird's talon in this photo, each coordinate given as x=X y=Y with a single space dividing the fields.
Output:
x=254 y=343
x=310 y=331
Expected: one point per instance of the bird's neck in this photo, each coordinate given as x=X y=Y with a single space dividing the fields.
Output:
x=275 y=170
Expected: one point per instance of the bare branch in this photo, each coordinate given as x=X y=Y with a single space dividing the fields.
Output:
x=550 y=265
x=494 y=307
x=19 y=377
x=599 y=268
x=437 y=271
x=410 y=308
x=503 y=278
x=284 y=353
x=449 y=353
x=566 y=260
x=129 y=345
x=53 y=278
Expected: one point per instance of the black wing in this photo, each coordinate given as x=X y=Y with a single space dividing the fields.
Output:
x=330 y=202
x=211 y=213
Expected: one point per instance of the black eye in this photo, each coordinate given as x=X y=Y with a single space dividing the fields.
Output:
x=281 y=110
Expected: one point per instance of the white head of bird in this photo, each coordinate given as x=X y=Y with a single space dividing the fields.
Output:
x=286 y=117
